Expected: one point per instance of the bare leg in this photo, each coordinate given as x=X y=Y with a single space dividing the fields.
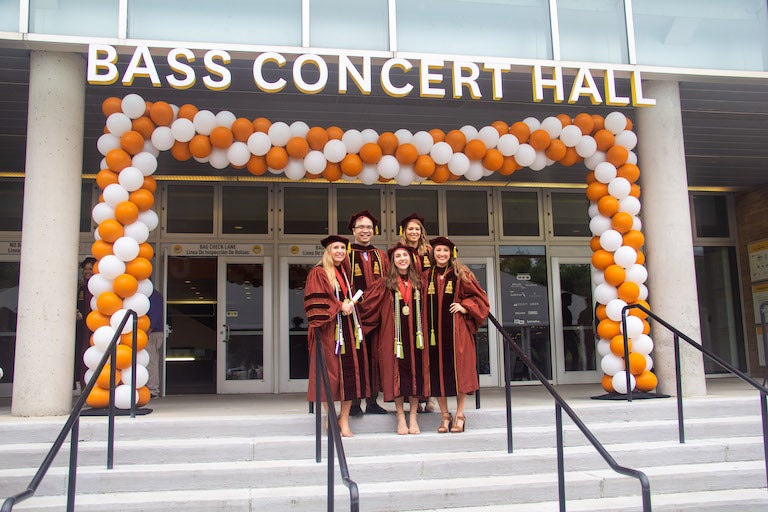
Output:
x=461 y=420
x=402 y=426
x=413 y=413
x=445 y=418
x=346 y=405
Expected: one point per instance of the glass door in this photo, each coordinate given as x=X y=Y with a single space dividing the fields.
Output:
x=243 y=358
x=487 y=351
x=9 y=299
x=294 y=353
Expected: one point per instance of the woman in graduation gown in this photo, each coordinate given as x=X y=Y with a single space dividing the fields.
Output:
x=396 y=304
x=456 y=306
x=413 y=234
x=334 y=322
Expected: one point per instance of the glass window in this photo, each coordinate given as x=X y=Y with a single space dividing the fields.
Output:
x=363 y=25
x=353 y=200
x=520 y=213
x=235 y=21
x=592 y=30
x=244 y=210
x=305 y=211
x=9 y=15
x=86 y=206
x=189 y=209
x=711 y=212
x=717 y=282
x=11 y=204
x=467 y=212
x=570 y=214
x=423 y=202
x=9 y=287
x=696 y=34
x=74 y=17
x=509 y=28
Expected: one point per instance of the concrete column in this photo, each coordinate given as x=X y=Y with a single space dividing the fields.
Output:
x=669 y=244
x=45 y=329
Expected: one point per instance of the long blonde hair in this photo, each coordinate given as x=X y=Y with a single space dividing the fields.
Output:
x=423 y=246
x=327 y=262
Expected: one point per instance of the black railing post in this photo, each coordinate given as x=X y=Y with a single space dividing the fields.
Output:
x=74 y=438
x=679 y=388
x=134 y=349
x=764 y=414
x=330 y=473
x=763 y=307
x=508 y=395
x=626 y=352
x=111 y=419
x=560 y=457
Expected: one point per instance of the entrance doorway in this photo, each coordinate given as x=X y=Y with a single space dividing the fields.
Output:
x=9 y=299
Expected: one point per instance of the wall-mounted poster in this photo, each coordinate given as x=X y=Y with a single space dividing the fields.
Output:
x=758 y=260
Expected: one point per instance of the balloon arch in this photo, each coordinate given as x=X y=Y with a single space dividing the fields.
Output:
x=137 y=131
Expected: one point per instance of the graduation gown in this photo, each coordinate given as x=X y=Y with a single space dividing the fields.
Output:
x=452 y=360
x=405 y=376
x=348 y=370
x=421 y=262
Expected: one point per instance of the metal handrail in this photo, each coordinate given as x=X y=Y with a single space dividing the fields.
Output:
x=561 y=405
x=72 y=425
x=334 y=436
x=719 y=360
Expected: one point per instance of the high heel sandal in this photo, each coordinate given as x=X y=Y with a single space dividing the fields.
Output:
x=445 y=423
x=455 y=429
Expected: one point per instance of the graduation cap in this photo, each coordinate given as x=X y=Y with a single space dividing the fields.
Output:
x=334 y=238
x=364 y=213
x=405 y=221
x=395 y=247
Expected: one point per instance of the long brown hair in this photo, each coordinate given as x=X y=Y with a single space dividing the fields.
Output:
x=392 y=282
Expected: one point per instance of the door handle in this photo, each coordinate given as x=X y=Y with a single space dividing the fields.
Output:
x=226 y=333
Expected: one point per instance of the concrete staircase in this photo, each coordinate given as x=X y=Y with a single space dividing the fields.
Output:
x=266 y=462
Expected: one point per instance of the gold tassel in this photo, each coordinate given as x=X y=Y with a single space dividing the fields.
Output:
x=419 y=341
x=432 y=341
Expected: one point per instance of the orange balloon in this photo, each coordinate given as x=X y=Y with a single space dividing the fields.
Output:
x=509 y=166
x=493 y=159
x=608 y=206
x=108 y=303
x=297 y=147
x=100 y=248
x=601 y=259
x=441 y=173
x=646 y=381
x=585 y=122
x=594 y=243
x=556 y=150
x=622 y=222
x=141 y=339
x=640 y=258
x=123 y=357
x=102 y=381
x=520 y=130
x=600 y=312
x=539 y=139
x=161 y=113
x=456 y=139
x=590 y=177
x=617 y=345
x=317 y=138
x=388 y=142
x=570 y=158
x=332 y=171
x=335 y=133
x=646 y=327
x=132 y=142
x=110 y=230
x=111 y=105
x=637 y=364
x=607 y=383
x=604 y=139
x=370 y=153
x=599 y=121
x=126 y=212
x=144 y=126
x=630 y=172
x=146 y=250
x=639 y=313
x=406 y=154
x=565 y=119
x=222 y=137
x=424 y=166
x=150 y=184
x=438 y=135
x=614 y=274
x=617 y=155
x=634 y=190
x=242 y=128
x=144 y=396
x=262 y=124
x=144 y=199
x=140 y=268
x=501 y=127
x=98 y=398
x=277 y=158
x=351 y=165
x=117 y=159
x=106 y=177
x=475 y=149
x=180 y=151
x=257 y=165
x=629 y=292
x=596 y=190
x=143 y=323
x=608 y=328
x=94 y=320
x=200 y=146
x=187 y=111
x=125 y=285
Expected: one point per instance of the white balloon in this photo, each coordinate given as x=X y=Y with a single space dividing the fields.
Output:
x=475 y=171
x=138 y=231
x=615 y=122
x=619 y=188
x=469 y=131
x=570 y=135
x=369 y=135
x=99 y=284
x=93 y=304
x=204 y=122
x=117 y=317
x=96 y=234
x=150 y=148
x=133 y=106
x=637 y=224
x=315 y=162
x=118 y=123
x=162 y=138
x=259 y=143
x=219 y=158
x=642 y=344
x=125 y=248
x=636 y=274
x=388 y=167
x=626 y=138
x=145 y=162
x=603 y=347
x=532 y=123
x=145 y=287
x=539 y=162
x=630 y=204
x=620 y=382
x=299 y=129
x=405 y=176
x=92 y=357
x=605 y=293
x=295 y=169
x=111 y=266
x=610 y=240
x=458 y=164
x=369 y=175
x=102 y=212
x=142 y=376
x=634 y=327
x=605 y=172
x=552 y=126
x=643 y=292
x=599 y=224
x=103 y=336
x=625 y=256
x=225 y=118
x=149 y=218
x=87 y=376
x=279 y=133
x=614 y=308
x=106 y=143
x=423 y=142
x=648 y=362
x=334 y=151
x=598 y=276
x=130 y=179
x=103 y=164
x=508 y=144
x=591 y=162
x=137 y=302
x=238 y=153
x=352 y=140
x=183 y=130
x=441 y=153
x=592 y=211
x=142 y=358
x=632 y=158
x=403 y=136
x=586 y=147
x=525 y=155
x=611 y=364
x=490 y=136
x=123 y=397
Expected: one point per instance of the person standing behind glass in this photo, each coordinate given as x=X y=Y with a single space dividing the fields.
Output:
x=156 y=341
x=82 y=333
x=367 y=265
x=456 y=307
x=334 y=322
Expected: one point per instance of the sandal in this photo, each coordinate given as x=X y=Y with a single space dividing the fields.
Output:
x=445 y=423
x=458 y=428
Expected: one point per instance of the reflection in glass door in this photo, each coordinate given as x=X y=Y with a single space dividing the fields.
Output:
x=244 y=360
x=9 y=299
x=487 y=354
x=294 y=354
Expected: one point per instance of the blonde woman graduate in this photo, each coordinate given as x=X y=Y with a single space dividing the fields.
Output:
x=456 y=306
x=333 y=321
x=413 y=234
x=396 y=303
